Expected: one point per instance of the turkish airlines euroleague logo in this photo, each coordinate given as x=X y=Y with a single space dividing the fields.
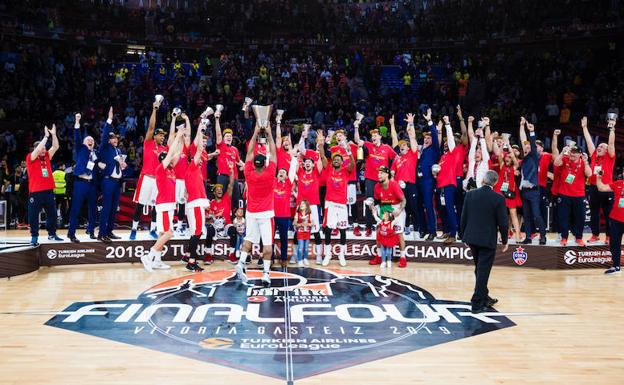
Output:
x=310 y=321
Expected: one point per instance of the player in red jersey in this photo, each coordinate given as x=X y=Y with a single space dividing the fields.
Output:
x=389 y=195
x=341 y=144
x=229 y=155
x=180 y=167
x=165 y=204
x=283 y=145
x=281 y=201
x=308 y=189
x=376 y=154
x=260 y=177
x=198 y=202
x=146 y=191
x=336 y=213
x=446 y=183
x=602 y=159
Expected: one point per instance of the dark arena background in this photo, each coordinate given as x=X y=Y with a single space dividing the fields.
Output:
x=311 y=191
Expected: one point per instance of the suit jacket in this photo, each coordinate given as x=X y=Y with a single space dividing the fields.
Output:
x=483 y=214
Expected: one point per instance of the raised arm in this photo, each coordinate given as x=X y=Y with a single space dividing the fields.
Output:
x=40 y=149
x=591 y=147
x=304 y=137
x=522 y=133
x=174 y=150
x=485 y=154
x=55 y=141
x=172 y=132
x=554 y=146
x=449 y=133
x=586 y=166
x=323 y=159
x=393 y=134
x=77 y=136
x=218 y=133
x=292 y=170
x=252 y=144
x=411 y=133
x=462 y=125
x=272 y=147
x=149 y=135
x=278 y=133
x=356 y=132
x=531 y=129
x=199 y=148
x=351 y=164
x=611 y=142
x=232 y=180
x=488 y=132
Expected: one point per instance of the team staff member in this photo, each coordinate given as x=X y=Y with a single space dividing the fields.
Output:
x=260 y=177
x=390 y=197
x=111 y=163
x=165 y=204
x=572 y=193
x=602 y=159
x=41 y=186
x=425 y=180
x=446 y=183
x=404 y=168
x=376 y=155
x=146 y=190
x=529 y=188
x=543 y=167
x=336 y=214
x=84 y=187
x=617 y=220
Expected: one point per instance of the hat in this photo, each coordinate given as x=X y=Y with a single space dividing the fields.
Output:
x=384 y=169
x=259 y=160
x=159 y=131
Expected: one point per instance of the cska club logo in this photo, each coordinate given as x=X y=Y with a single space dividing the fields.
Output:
x=520 y=256
x=310 y=321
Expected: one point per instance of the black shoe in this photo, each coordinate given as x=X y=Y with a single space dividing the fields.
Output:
x=260 y=262
x=482 y=309
x=185 y=258
x=113 y=236
x=491 y=301
x=431 y=237
x=527 y=241
x=194 y=267
x=92 y=236
x=612 y=270
x=74 y=239
x=54 y=237
x=542 y=241
x=104 y=239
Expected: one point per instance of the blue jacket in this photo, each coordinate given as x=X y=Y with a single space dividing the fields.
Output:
x=530 y=162
x=108 y=153
x=82 y=155
x=430 y=155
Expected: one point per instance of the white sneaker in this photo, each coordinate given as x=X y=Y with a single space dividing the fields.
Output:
x=305 y=262
x=389 y=264
x=266 y=280
x=342 y=261
x=319 y=260
x=292 y=261
x=300 y=263
x=158 y=263
x=146 y=260
x=241 y=272
x=326 y=260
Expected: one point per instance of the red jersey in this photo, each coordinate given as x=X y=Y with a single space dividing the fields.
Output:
x=337 y=181
x=386 y=236
x=260 y=187
x=194 y=182
x=542 y=169
x=150 y=156
x=39 y=173
x=617 y=211
x=303 y=232
x=308 y=186
x=283 y=159
x=572 y=178
x=462 y=151
x=180 y=167
x=227 y=154
x=506 y=179
x=281 y=198
x=393 y=195
x=260 y=148
x=204 y=157
x=604 y=163
x=377 y=156
x=446 y=176
x=166 y=183
x=557 y=172
x=404 y=167
x=222 y=208
x=345 y=158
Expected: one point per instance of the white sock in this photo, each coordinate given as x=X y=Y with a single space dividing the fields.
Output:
x=327 y=249
x=157 y=255
x=153 y=226
x=402 y=253
x=243 y=258
x=266 y=265
x=318 y=250
x=230 y=250
x=343 y=250
x=135 y=225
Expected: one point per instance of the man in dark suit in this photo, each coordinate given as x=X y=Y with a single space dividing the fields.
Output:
x=483 y=215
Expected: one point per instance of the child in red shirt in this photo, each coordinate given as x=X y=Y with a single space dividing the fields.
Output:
x=302 y=222
x=387 y=238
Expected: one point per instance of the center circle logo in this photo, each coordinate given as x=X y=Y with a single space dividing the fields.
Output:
x=52 y=254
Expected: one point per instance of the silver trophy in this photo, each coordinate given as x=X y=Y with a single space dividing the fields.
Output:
x=159 y=98
x=247 y=103
x=359 y=117
x=177 y=111
x=262 y=114
x=278 y=116
x=209 y=111
x=218 y=109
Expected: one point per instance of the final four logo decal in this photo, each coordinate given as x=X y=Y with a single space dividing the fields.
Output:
x=310 y=321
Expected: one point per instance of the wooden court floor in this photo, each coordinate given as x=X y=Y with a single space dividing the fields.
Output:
x=570 y=332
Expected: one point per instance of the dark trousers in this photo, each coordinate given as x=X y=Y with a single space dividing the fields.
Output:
x=449 y=216
x=83 y=191
x=369 y=191
x=37 y=201
x=411 y=198
x=571 y=209
x=531 y=212
x=615 y=241
x=281 y=227
x=111 y=191
x=459 y=199
x=483 y=258
x=544 y=202
x=425 y=196
x=599 y=201
x=236 y=194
